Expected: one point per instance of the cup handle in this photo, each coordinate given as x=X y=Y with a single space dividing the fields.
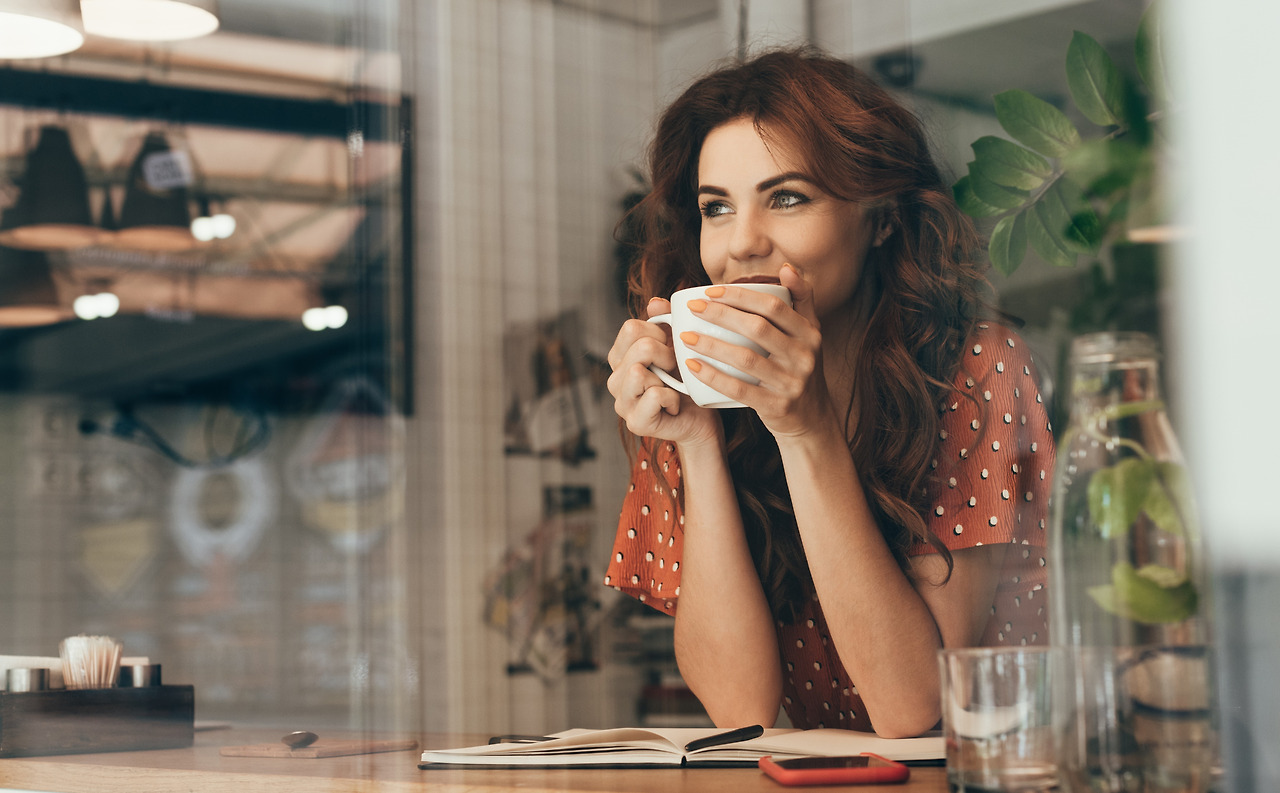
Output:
x=664 y=375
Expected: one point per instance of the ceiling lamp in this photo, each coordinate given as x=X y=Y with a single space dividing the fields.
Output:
x=155 y=215
x=150 y=20
x=210 y=225
x=28 y=295
x=52 y=212
x=96 y=306
x=324 y=317
x=38 y=28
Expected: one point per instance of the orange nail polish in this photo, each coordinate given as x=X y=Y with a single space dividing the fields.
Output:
x=697 y=305
x=694 y=365
x=714 y=291
x=689 y=337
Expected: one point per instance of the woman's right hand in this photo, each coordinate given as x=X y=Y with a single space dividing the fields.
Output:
x=649 y=407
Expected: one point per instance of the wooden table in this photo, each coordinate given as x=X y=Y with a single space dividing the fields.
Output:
x=200 y=769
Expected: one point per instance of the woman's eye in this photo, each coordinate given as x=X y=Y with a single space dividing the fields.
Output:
x=786 y=199
x=714 y=209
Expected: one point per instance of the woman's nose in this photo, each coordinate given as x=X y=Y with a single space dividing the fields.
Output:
x=750 y=238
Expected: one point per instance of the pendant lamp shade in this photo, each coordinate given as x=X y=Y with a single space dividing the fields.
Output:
x=52 y=212
x=38 y=28
x=155 y=216
x=150 y=20
x=28 y=296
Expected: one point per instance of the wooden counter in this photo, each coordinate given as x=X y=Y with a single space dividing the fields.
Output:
x=200 y=769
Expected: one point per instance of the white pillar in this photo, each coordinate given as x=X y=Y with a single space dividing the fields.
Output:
x=1225 y=349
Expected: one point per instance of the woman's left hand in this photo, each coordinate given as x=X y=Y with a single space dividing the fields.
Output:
x=791 y=397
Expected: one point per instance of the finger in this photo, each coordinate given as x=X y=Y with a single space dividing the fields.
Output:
x=732 y=387
x=764 y=319
x=744 y=359
x=659 y=398
x=631 y=330
x=751 y=301
x=669 y=399
x=801 y=293
x=657 y=306
x=782 y=375
x=629 y=384
x=644 y=413
x=627 y=345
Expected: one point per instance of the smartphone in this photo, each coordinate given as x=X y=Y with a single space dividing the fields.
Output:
x=862 y=769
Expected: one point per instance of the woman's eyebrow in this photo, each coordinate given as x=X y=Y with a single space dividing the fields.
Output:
x=767 y=184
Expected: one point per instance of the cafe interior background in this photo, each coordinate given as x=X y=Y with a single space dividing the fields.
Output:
x=339 y=453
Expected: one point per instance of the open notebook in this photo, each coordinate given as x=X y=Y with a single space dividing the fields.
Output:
x=635 y=747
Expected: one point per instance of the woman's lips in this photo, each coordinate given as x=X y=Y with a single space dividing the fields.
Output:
x=757 y=279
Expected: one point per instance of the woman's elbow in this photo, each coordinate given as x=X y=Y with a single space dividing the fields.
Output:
x=905 y=722
x=731 y=705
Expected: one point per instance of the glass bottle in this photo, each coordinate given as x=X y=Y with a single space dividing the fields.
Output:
x=1128 y=583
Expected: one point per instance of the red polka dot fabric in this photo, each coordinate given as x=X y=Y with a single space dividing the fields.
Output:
x=989 y=483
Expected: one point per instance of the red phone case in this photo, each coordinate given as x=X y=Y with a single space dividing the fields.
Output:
x=835 y=774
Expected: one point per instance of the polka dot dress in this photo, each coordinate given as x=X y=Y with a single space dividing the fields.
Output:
x=989 y=483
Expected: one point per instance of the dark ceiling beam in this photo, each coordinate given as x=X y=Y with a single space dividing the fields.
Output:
x=224 y=187
x=375 y=121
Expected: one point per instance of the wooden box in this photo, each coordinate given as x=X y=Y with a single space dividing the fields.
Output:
x=96 y=720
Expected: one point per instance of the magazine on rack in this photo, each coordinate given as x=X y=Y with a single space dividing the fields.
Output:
x=681 y=746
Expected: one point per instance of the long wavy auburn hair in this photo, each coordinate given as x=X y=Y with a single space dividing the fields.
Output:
x=926 y=282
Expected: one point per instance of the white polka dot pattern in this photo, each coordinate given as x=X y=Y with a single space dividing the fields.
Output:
x=987 y=484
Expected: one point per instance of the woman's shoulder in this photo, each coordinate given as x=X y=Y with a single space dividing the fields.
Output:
x=994 y=334
x=994 y=348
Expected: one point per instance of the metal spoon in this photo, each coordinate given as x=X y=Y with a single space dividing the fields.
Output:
x=299 y=739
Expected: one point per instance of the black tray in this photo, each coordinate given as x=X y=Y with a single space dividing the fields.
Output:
x=96 y=720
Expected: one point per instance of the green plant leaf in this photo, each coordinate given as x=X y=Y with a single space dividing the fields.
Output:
x=1094 y=81
x=1035 y=123
x=1010 y=165
x=1149 y=52
x=994 y=194
x=1136 y=112
x=1067 y=213
x=1009 y=243
x=1153 y=595
x=1045 y=241
x=1119 y=211
x=1161 y=576
x=969 y=202
x=1104 y=165
x=1117 y=493
x=1173 y=480
x=1085 y=232
x=1159 y=507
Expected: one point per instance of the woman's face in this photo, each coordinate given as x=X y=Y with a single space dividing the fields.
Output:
x=760 y=210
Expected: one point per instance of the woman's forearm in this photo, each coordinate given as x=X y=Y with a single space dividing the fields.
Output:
x=725 y=640
x=880 y=625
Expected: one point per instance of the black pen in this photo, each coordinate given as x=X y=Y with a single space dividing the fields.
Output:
x=732 y=736
x=519 y=739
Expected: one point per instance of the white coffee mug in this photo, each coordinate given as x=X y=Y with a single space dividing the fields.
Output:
x=682 y=319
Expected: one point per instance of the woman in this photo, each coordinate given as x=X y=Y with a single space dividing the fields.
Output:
x=883 y=494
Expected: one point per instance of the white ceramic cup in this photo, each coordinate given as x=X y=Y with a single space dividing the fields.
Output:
x=682 y=319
